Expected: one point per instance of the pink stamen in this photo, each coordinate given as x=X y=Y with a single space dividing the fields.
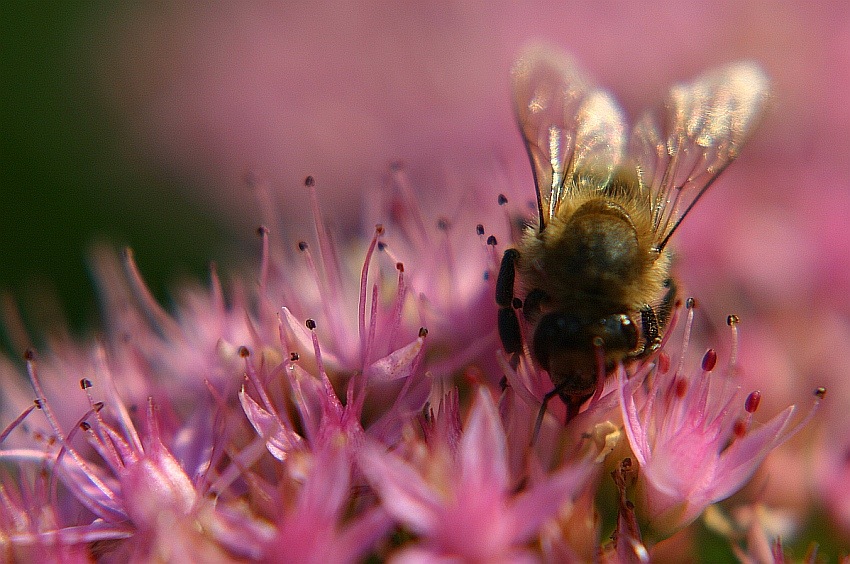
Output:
x=751 y=404
x=401 y=290
x=320 y=364
x=373 y=327
x=402 y=182
x=254 y=378
x=732 y=321
x=154 y=312
x=216 y=292
x=364 y=275
x=709 y=360
x=263 y=232
x=326 y=251
x=11 y=427
x=110 y=453
x=690 y=305
x=333 y=298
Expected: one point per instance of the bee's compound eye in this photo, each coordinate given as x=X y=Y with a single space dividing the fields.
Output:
x=619 y=333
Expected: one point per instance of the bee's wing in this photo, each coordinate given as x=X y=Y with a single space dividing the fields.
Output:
x=568 y=127
x=703 y=126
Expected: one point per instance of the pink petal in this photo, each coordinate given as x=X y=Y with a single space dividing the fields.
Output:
x=738 y=462
x=483 y=450
x=279 y=440
x=397 y=365
x=404 y=494
x=533 y=508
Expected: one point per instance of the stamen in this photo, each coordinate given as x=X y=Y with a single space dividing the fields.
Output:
x=155 y=314
x=709 y=360
x=18 y=420
x=326 y=251
x=321 y=284
x=402 y=182
x=690 y=305
x=492 y=259
x=663 y=362
x=41 y=403
x=263 y=232
x=109 y=450
x=751 y=404
x=364 y=274
x=732 y=321
x=320 y=364
x=117 y=404
x=373 y=327
x=398 y=304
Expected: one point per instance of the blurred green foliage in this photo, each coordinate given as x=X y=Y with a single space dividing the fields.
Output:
x=66 y=182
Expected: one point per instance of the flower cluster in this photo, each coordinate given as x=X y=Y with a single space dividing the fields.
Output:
x=351 y=402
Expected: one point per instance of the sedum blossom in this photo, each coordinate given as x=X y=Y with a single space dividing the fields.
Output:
x=461 y=503
x=290 y=416
x=694 y=438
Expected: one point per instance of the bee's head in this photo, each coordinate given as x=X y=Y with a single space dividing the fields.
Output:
x=565 y=346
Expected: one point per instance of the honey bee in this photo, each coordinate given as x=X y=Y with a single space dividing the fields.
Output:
x=591 y=277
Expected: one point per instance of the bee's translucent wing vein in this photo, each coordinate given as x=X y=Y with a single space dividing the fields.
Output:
x=705 y=123
x=568 y=127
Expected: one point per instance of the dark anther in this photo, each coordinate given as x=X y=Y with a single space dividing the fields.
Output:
x=479 y=229
x=244 y=352
x=293 y=356
x=302 y=246
x=442 y=224
x=751 y=404
x=85 y=383
x=85 y=426
x=516 y=303
x=262 y=230
x=690 y=303
x=29 y=354
x=423 y=332
x=709 y=360
x=502 y=199
x=309 y=181
x=491 y=240
x=733 y=320
x=820 y=393
x=399 y=266
x=311 y=324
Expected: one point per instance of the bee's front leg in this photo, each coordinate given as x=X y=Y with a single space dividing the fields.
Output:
x=509 y=331
x=654 y=320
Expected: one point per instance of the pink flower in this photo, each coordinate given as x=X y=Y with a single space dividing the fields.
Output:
x=280 y=415
x=313 y=528
x=694 y=447
x=461 y=504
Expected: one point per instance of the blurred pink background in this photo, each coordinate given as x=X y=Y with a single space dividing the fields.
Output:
x=339 y=89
